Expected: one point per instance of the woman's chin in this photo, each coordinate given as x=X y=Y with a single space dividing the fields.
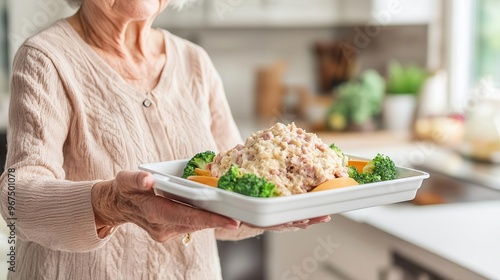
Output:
x=141 y=9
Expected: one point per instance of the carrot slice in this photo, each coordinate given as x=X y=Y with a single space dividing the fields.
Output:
x=359 y=164
x=206 y=180
x=202 y=172
x=335 y=184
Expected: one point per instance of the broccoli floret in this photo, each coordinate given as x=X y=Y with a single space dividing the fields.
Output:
x=229 y=179
x=378 y=169
x=341 y=154
x=336 y=150
x=200 y=160
x=363 y=178
x=246 y=184
x=382 y=166
x=353 y=172
x=252 y=185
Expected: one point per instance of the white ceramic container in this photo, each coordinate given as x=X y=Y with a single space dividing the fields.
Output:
x=264 y=212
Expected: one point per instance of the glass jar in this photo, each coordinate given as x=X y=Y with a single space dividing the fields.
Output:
x=482 y=123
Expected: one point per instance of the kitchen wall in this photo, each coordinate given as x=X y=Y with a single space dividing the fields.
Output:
x=242 y=36
x=26 y=18
x=237 y=54
x=254 y=34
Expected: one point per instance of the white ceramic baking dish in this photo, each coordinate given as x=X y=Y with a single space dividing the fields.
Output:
x=264 y=212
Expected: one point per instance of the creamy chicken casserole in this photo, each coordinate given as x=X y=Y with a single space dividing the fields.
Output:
x=294 y=160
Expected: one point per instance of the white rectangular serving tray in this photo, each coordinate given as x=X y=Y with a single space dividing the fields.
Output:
x=265 y=212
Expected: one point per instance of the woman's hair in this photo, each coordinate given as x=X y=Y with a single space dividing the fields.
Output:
x=177 y=4
x=74 y=3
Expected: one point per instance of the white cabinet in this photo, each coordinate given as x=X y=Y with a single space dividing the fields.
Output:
x=344 y=249
x=407 y=11
x=255 y=13
x=340 y=248
x=299 y=13
x=274 y=13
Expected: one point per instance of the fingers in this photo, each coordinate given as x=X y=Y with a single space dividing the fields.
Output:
x=177 y=214
x=293 y=226
x=135 y=181
x=200 y=219
x=305 y=224
x=163 y=219
x=176 y=219
x=323 y=219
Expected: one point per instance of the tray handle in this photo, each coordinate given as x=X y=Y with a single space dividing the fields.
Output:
x=191 y=193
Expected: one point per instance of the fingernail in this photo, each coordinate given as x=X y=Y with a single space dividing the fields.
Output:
x=145 y=181
x=232 y=225
x=327 y=219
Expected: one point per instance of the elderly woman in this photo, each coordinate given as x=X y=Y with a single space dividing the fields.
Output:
x=94 y=96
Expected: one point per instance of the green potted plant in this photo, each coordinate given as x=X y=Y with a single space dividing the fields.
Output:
x=357 y=103
x=402 y=88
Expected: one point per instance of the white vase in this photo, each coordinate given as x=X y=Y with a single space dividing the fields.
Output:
x=399 y=111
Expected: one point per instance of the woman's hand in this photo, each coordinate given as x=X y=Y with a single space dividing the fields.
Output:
x=293 y=226
x=130 y=198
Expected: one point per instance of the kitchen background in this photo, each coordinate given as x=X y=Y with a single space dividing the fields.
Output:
x=416 y=80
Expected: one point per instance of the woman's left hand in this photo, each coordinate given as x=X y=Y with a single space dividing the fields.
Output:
x=294 y=226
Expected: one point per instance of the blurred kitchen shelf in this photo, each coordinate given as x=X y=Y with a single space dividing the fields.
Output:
x=270 y=26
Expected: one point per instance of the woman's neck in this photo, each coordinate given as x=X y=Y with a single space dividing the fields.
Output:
x=122 y=37
x=134 y=50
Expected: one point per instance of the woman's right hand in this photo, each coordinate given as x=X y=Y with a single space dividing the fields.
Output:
x=130 y=198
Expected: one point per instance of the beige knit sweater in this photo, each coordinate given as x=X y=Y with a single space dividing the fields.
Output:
x=74 y=120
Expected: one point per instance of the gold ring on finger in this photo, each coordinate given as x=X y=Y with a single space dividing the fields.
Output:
x=186 y=239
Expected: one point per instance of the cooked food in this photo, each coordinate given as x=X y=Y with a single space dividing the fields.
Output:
x=201 y=172
x=380 y=168
x=247 y=184
x=339 y=152
x=358 y=164
x=199 y=161
x=293 y=160
x=206 y=180
x=335 y=184
x=285 y=160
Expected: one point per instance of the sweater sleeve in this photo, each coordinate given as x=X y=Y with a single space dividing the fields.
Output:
x=48 y=209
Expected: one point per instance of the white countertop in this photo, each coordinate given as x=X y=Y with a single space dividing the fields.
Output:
x=467 y=234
